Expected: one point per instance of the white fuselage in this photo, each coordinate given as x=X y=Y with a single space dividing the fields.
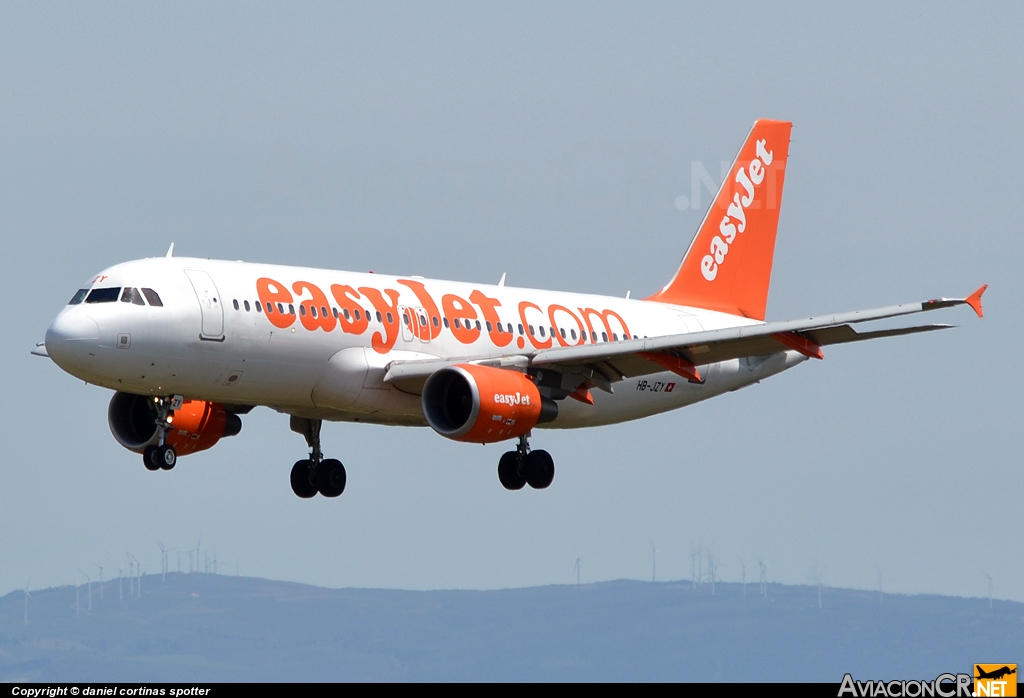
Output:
x=199 y=345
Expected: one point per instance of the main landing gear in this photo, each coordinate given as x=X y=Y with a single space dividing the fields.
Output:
x=315 y=474
x=523 y=466
x=161 y=456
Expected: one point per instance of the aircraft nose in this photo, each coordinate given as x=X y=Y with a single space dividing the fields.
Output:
x=71 y=336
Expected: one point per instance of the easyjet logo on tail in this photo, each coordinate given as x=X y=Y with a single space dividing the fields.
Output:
x=728 y=265
x=735 y=219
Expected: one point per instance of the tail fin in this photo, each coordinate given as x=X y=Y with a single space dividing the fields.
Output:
x=728 y=266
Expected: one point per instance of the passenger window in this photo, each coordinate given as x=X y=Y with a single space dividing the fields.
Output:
x=323 y=311
x=235 y=303
x=572 y=333
x=259 y=307
x=246 y=304
x=509 y=326
x=357 y=315
x=152 y=297
x=79 y=297
x=541 y=331
x=604 y=336
x=405 y=318
x=103 y=295
x=390 y=319
x=302 y=310
x=593 y=336
x=615 y=336
x=446 y=323
x=423 y=320
x=280 y=308
x=457 y=325
x=291 y=309
x=379 y=318
x=434 y=320
x=531 y=330
x=520 y=329
x=488 y=326
x=562 y=330
x=335 y=312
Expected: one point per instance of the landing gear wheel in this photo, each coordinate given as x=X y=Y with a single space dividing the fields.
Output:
x=304 y=479
x=540 y=469
x=508 y=471
x=166 y=457
x=149 y=458
x=331 y=477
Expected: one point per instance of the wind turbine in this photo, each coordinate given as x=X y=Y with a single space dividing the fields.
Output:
x=576 y=569
x=101 y=580
x=763 y=579
x=27 y=597
x=816 y=575
x=89 y=583
x=711 y=572
x=134 y=563
x=163 y=562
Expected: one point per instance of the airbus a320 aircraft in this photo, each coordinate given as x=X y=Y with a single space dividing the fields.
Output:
x=189 y=345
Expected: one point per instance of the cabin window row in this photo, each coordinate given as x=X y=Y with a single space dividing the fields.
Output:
x=458 y=323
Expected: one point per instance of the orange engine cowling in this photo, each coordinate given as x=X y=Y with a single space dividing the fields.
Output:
x=196 y=425
x=481 y=404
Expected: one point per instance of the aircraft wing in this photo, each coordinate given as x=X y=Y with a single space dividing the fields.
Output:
x=685 y=353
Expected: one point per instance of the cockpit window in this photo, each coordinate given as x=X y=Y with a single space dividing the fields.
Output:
x=79 y=297
x=103 y=295
x=152 y=297
x=132 y=295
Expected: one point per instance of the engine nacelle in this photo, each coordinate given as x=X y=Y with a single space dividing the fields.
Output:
x=482 y=404
x=197 y=424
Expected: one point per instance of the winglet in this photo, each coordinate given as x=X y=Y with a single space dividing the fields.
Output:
x=974 y=300
x=170 y=251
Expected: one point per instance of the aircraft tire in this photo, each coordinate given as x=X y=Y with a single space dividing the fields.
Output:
x=508 y=471
x=166 y=457
x=149 y=458
x=303 y=476
x=540 y=469
x=331 y=477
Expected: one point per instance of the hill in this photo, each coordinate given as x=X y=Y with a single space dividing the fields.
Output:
x=202 y=627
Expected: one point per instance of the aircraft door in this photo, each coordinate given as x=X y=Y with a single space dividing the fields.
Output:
x=210 y=304
x=423 y=324
x=407 y=320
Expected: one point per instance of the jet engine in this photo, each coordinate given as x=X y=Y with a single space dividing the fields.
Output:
x=196 y=425
x=482 y=404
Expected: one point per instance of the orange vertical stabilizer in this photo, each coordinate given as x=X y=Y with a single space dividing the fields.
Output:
x=728 y=266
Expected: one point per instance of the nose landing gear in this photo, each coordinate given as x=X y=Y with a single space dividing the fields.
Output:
x=524 y=466
x=315 y=474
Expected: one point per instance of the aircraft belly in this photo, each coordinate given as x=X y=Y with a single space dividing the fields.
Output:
x=636 y=398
